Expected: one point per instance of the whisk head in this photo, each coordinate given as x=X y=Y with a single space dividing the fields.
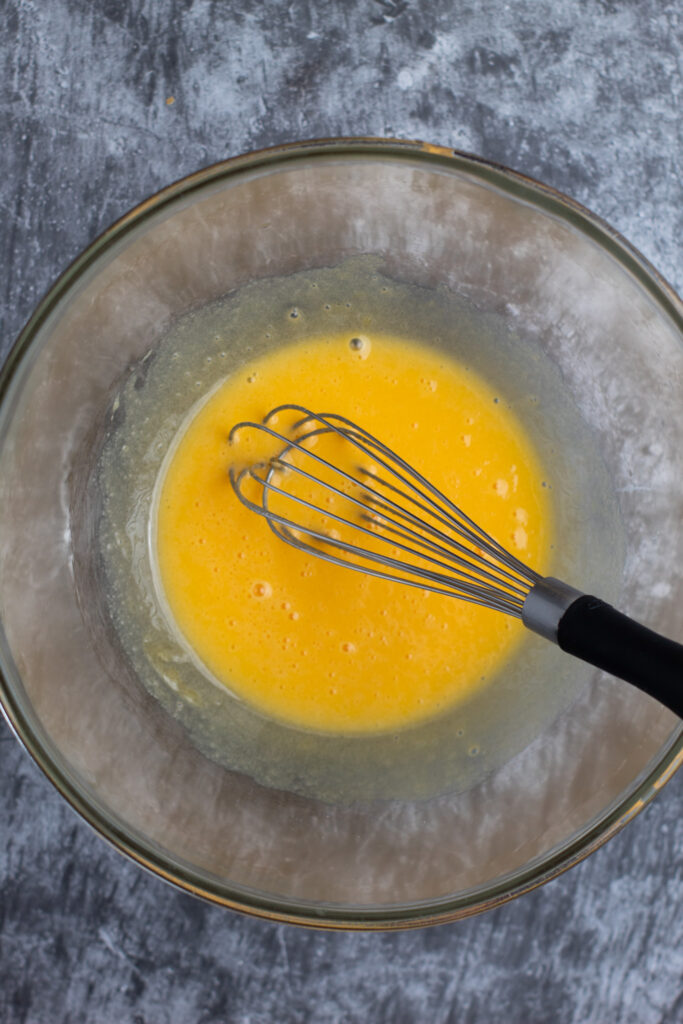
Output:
x=333 y=490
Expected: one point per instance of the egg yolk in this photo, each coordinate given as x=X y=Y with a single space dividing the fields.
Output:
x=314 y=644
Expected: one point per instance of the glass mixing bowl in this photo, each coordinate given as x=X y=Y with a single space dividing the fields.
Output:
x=589 y=338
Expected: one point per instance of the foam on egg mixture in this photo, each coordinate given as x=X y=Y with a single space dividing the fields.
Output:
x=310 y=643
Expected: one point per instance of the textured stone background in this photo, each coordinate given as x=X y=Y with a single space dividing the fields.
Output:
x=585 y=94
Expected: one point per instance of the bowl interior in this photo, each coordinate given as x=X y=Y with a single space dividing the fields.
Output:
x=574 y=332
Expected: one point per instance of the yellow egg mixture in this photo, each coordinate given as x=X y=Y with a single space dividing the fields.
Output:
x=314 y=644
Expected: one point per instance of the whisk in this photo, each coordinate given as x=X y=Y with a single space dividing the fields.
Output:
x=363 y=507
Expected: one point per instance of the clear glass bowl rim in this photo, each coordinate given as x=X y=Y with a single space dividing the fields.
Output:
x=134 y=845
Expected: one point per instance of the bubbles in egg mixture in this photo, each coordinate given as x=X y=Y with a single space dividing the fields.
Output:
x=361 y=347
x=406 y=673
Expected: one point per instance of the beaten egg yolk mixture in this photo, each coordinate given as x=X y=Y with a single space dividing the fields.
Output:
x=316 y=645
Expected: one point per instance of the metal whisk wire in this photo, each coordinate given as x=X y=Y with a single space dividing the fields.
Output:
x=436 y=547
x=405 y=511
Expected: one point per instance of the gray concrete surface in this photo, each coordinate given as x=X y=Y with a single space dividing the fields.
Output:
x=585 y=94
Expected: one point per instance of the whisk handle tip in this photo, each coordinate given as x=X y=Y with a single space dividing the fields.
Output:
x=604 y=637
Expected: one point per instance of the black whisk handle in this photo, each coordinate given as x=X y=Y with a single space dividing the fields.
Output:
x=599 y=634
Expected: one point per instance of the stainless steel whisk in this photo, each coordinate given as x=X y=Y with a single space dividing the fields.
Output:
x=410 y=532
